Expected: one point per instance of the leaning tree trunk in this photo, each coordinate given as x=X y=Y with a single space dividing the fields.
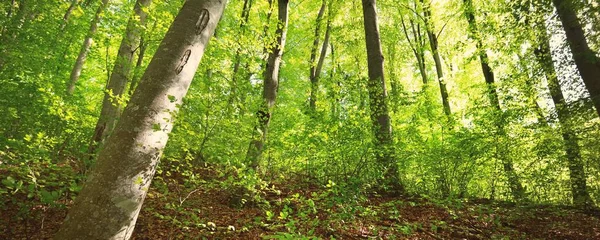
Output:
x=111 y=105
x=109 y=203
x=581 y=197
x=85 y=48
x=433 y=43
x=514 y=183
x=380 y=117
x=586 y=59
x=270 y=87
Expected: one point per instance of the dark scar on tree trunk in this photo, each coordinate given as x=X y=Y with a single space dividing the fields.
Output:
x=202 y=21
x=183 y=61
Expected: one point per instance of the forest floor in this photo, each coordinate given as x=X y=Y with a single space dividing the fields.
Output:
x=294 y=209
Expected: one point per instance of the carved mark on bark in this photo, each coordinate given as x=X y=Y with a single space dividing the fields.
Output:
x=183 y=61
x=202 y=21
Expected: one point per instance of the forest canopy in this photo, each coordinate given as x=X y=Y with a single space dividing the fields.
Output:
x=105 y=103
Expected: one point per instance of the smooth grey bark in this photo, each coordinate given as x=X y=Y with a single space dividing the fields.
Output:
x=270 y=88
x=111 y=107
x=517 y=190
x=578 y=177
x=586 y=59
x=109 y=203
x=433 y=43
x=380 y=118
x=85 y=48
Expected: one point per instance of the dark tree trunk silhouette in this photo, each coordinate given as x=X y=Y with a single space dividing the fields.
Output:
x=586 y=59
x=380 y=117
x=109 y=203
x=581 y=197
x=514 y=183
x=433 y=43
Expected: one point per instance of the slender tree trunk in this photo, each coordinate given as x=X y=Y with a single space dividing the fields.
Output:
x=581 y=197
x=138 y=65
x=433 y=43
x=270 y=88
x=586 y=59
x=111 y=105
x=380 y=117
x=109 y=203
x=85 y=48
x=238 y=58
x=67 y=14
x=8 y=15
x=514 y=183
x=417 y=46
x=313 y=59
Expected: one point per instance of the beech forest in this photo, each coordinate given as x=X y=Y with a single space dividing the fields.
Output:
x=299 y=119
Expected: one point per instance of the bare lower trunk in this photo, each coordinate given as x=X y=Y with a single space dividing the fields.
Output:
x=586 y=59
x=111 y=105
x=380 y=117
x=581 y=197
x=85 y=48
x=109 y=203
x=514 y=183
x=270 y=87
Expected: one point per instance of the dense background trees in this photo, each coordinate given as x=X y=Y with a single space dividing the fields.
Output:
x=486 y=98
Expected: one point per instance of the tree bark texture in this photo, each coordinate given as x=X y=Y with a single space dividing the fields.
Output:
x=111 y=106
x=577 y=174
x=108 y=205
x=85 y=48
x=270 y=88
x=380 y=117
x=514 y=183
x=586 y=59
x=433 y=43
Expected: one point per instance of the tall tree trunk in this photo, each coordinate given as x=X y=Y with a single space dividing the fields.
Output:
x=517 y=190
x=270 y=88
x=433 y=43
x=581 y=197
x=313 y=58
x=109 y=203
x=85 y=48
x=586 y=59
x=138 y=65
x=111 y=105
x=380 y=117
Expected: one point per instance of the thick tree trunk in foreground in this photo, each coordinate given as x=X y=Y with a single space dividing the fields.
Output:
x=581 y=197
x=85 y=48
x=108 y=205
x=111 y=107
x=270 y=87
x=433 y=43
x=380 y=117
x=586 y=59
x=514 y=183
